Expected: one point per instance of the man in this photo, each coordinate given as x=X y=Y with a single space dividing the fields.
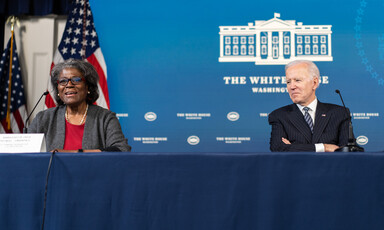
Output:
x=307 y=125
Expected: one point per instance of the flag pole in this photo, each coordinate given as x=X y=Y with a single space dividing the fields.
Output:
x=12 y=20
x=84 y=28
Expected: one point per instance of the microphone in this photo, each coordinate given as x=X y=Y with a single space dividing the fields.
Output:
x=352 y=146
x=25 y=129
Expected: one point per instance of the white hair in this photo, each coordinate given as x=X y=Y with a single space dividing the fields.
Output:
x=312 y=68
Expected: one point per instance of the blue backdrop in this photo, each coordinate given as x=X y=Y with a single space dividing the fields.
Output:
x=172 y=94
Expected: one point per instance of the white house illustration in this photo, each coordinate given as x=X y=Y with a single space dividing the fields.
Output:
x=275 y=42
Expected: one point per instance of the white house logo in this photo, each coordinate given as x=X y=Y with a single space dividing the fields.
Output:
x=150 y=116
x=275 y=42
x=362 y=140
x=193 y=140
x=233 y=116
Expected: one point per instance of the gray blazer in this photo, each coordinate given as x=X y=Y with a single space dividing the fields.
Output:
x=102 y=129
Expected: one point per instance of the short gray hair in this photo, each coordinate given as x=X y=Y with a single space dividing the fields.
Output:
x=312 y=68
x=86 y=69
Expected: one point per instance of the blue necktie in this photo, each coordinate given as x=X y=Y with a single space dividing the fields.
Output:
x=308 y=118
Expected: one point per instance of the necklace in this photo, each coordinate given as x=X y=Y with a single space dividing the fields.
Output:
x=82 y=119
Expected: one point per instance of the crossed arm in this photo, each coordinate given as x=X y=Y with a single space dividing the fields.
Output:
x=280 y=141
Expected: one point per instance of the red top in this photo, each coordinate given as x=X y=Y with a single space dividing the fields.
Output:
x=73 y=136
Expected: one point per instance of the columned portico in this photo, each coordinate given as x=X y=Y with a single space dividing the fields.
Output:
x=269 y=46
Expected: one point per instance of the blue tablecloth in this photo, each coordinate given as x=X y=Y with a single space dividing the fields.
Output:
x=193 y=191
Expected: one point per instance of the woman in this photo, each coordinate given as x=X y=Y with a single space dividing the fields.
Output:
x=76 y=125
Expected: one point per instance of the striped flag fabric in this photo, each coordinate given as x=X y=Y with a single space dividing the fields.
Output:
x=80 y=41
x=12 y=98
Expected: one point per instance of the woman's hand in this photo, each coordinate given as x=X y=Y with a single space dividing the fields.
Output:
x=64 y=151
x=75 y=151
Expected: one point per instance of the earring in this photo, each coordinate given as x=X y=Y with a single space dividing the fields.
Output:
x=58 y=95
x=89 y=92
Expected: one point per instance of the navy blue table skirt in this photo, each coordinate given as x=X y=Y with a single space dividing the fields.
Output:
x=193 y=191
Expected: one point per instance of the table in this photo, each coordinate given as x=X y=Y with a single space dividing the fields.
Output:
x=193 y=191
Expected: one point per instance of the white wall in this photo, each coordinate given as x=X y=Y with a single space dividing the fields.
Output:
x=37 y=40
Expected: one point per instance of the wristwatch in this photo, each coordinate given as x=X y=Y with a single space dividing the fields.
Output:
x=80 y=151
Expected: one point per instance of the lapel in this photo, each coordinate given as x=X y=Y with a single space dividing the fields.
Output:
x=321 y=121
x=60 y=132
x=297 y=119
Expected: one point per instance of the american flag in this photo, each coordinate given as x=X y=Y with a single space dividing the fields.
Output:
x=80 y=41
x=17 y=106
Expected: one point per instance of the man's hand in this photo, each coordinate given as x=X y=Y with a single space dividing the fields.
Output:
x=286 y=141
x=330 y=147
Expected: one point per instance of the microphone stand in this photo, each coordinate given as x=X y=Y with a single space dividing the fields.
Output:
x=25 y=129
x=351 y=146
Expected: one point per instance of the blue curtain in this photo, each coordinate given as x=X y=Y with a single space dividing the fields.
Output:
x=30 y=8
x=34 y=7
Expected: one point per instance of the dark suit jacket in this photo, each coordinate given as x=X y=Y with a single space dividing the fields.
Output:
x=331 y=127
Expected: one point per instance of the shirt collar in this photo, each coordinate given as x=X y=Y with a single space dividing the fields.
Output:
x=312 y=105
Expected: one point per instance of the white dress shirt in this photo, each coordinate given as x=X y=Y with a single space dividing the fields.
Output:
x=312 y=112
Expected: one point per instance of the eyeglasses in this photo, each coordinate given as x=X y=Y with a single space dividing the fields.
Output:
x=74 y=80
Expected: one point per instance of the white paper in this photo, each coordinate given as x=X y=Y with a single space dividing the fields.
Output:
x=22 y=143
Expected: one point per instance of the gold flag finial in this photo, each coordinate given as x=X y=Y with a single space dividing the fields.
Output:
x=13 y=20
